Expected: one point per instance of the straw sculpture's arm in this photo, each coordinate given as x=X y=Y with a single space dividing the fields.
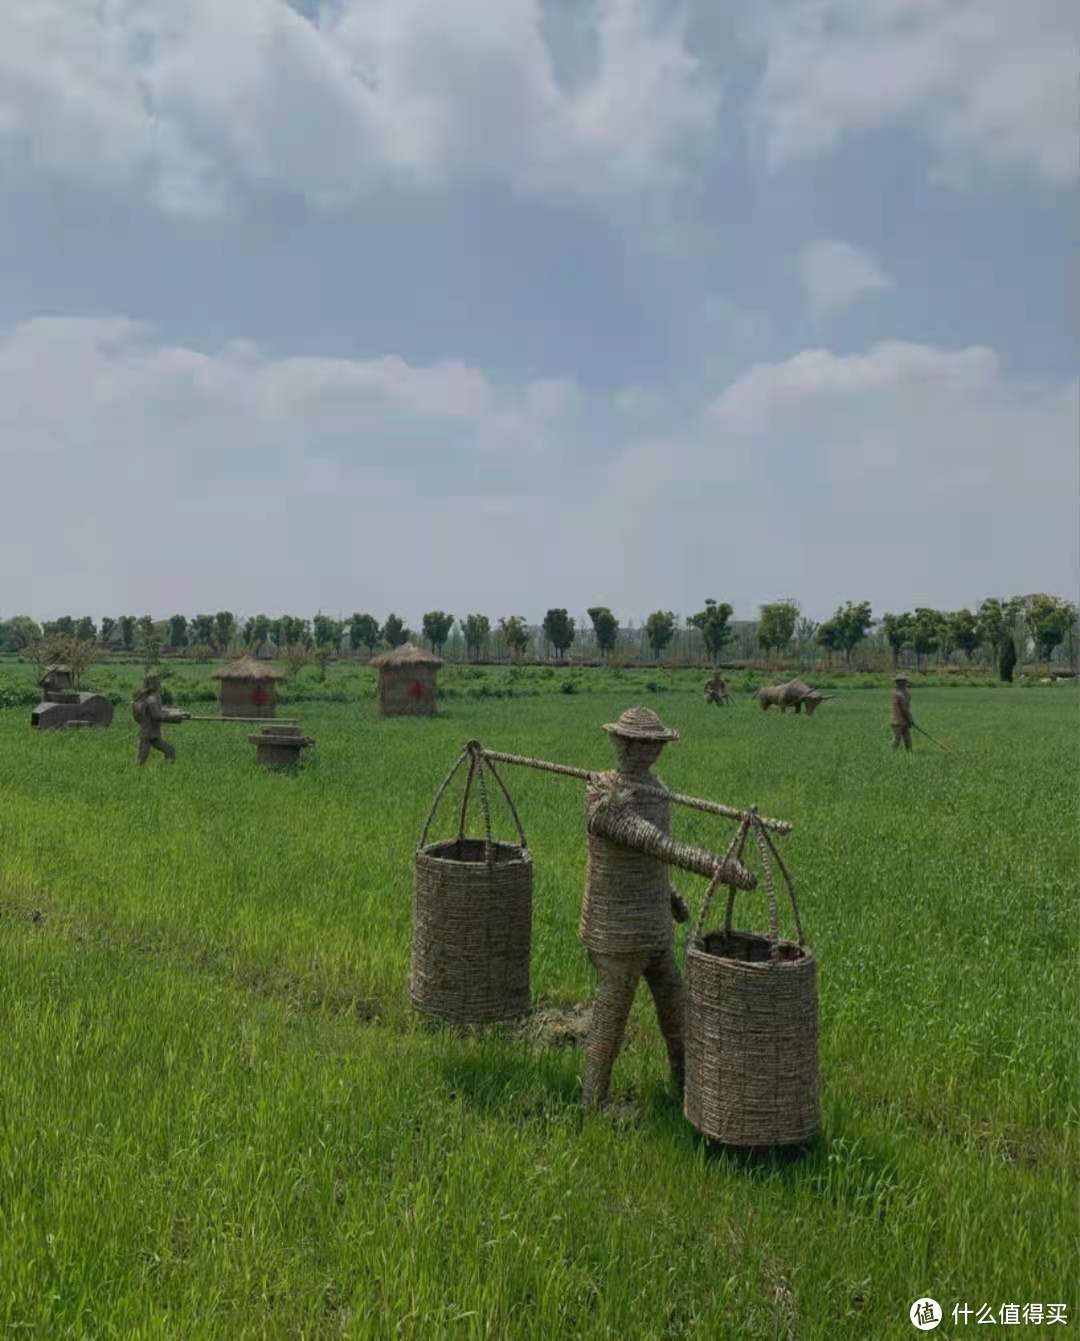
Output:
x=623 y=826
x=157 y=712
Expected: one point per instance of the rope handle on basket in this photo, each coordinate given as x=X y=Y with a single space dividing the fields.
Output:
x=765 y=846
x=729 y=909
x=439 y=796
x=734 y=850
x=474 y=752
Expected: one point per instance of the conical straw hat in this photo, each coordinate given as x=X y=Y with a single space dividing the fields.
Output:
x=641 y=724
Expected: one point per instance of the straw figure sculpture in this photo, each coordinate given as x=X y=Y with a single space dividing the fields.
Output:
x=247 y=688
x=716 y=691
x=148 y=710
x=407 y=681
x=900 y=718
x=629 y=904
x=752 y=1022
x=472 y=915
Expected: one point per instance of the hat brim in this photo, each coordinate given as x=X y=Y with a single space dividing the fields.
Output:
x=664 y=734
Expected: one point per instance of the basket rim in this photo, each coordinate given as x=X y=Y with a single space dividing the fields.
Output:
x=523 y=857
x=806 y=955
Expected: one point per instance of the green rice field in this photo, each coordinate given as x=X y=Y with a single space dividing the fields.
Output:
x=220 y=1117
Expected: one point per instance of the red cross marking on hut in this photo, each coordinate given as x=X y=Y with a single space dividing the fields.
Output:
x=259 y=696
x=418 y=691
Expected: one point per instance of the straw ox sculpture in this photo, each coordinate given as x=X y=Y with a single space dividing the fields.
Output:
x=751 y=999
x=794 y=694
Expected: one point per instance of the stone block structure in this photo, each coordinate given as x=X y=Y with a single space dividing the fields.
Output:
x=280 y=747
x=62 y=706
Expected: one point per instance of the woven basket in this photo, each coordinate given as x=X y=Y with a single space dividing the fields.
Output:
x=472 y=917
x=752 y=1026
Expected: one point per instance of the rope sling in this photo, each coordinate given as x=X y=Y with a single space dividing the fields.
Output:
x=472 y=914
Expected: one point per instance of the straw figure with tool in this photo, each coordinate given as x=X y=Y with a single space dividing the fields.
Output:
x=626 y=917
x=716 y=690
x=900 y=713
x=901 y=719
x=148 y=710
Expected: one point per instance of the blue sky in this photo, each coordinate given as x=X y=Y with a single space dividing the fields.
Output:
x=503 y=305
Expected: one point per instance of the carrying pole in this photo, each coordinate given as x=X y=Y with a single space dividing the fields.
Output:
x=678 y=798
x=280 y=721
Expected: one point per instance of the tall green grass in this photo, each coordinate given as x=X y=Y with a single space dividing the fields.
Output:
x=220 y=1118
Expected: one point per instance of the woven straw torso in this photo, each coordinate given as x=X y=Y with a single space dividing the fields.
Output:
x=627 y=905
x=901 y=707
x=150 y=726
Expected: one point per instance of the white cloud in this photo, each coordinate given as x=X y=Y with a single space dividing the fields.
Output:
x=836 y=274
x=115 y=380
x=150 y=476
x=990 y=81
x=892 y=474
x=177 y=459
x=770 y=393
x=193 y=99
x=552 y=397
x=638 y=402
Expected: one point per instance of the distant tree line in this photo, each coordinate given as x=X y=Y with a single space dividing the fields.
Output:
x=1000 y=630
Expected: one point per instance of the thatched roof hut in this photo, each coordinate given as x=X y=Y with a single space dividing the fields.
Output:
x=407 y=681
x=247 y=688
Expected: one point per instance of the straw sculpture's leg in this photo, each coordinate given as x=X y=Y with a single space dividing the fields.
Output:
x=144 y=751
x=160 y=743
x=901 y=734
x=618 y=976
x=662 y=975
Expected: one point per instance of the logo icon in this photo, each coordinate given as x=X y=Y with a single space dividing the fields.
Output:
x=925 y=1314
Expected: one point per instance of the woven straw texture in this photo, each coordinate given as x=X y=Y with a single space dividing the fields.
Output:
x=752 y=1027
x=627 y=903
x=406 y=655
x=247 y=668
x=641 y=724
x=472 y=917
x=472 y=932
x=406 y=681
x=674 y=798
